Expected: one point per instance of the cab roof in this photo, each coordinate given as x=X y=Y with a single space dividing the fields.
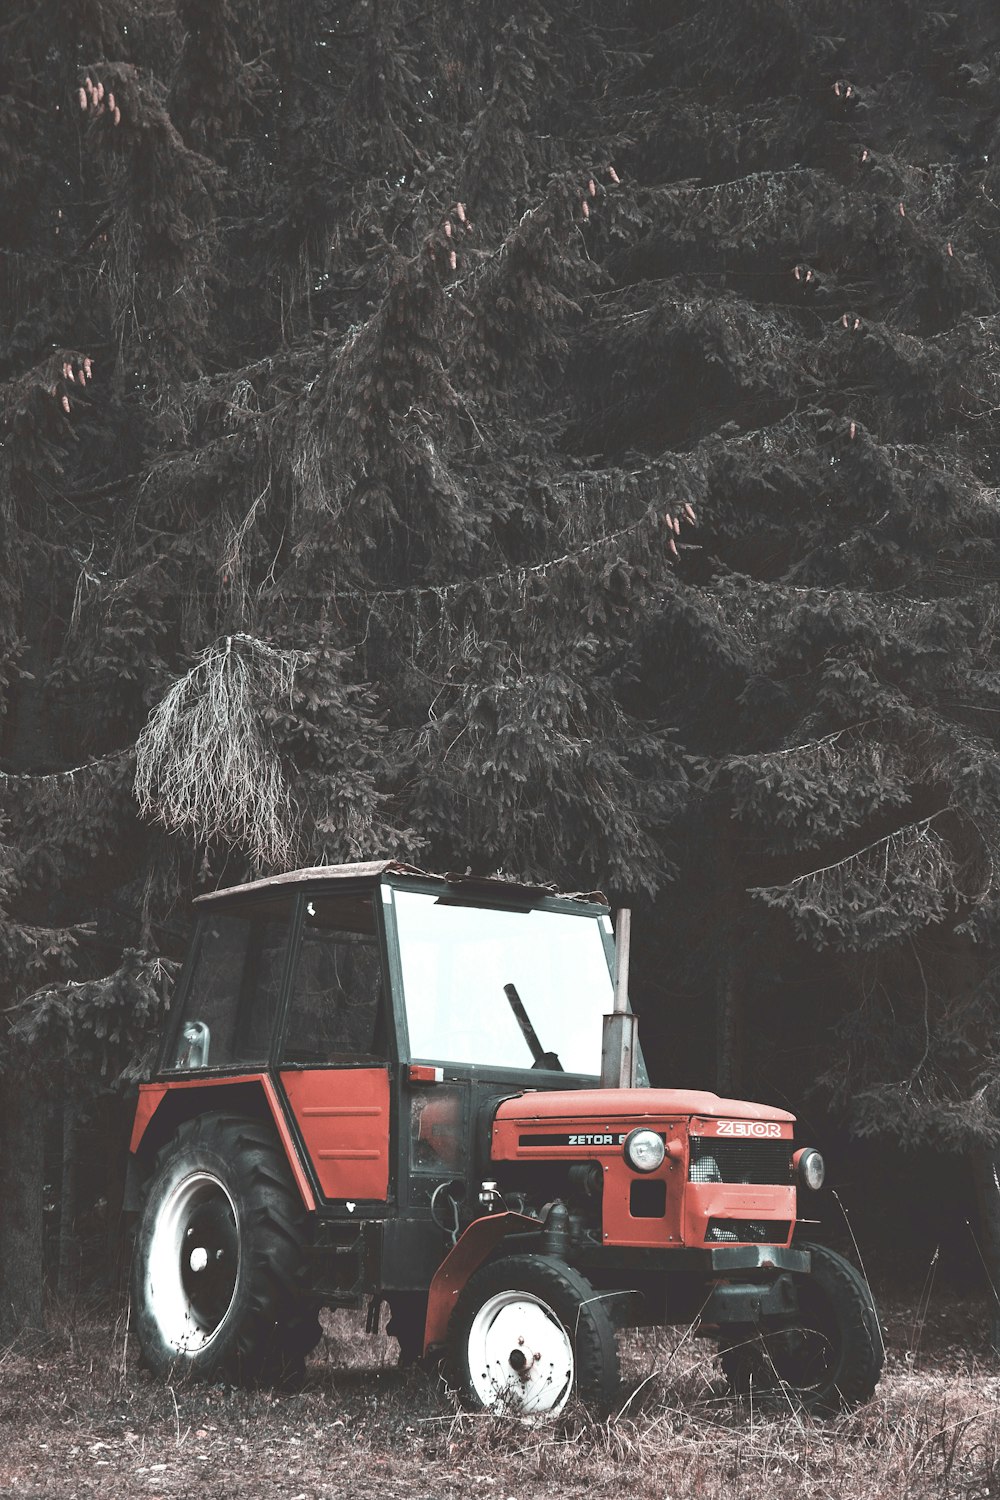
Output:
x=485 y=885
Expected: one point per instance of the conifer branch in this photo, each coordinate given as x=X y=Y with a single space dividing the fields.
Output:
x=71 y=771
x=893 y=886
x=891 y=841
x=520 y=573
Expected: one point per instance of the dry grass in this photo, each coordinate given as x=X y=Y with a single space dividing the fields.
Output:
x=76 y=1419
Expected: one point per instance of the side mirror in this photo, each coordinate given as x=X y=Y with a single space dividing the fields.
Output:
x=196 y=1040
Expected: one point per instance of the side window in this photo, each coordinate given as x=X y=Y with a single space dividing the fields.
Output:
x=437 y=1131
x=232 y=1001
x=336 y=1012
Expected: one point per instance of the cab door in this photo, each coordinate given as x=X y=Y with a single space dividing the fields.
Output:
x=334 y=1057
x=343 y=1118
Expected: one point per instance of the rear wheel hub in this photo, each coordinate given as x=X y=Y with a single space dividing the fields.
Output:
x=194 y=1261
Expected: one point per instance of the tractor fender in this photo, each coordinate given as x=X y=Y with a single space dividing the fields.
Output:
x=251 y=1093
x=467 y=1254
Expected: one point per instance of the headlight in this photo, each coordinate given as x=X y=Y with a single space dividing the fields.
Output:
x=644 y=1149
x=810 y=1168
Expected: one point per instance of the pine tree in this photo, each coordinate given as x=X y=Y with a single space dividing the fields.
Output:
x=364 y=371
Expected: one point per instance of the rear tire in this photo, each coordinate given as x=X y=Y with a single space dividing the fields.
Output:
x=219 y=1256
x=527 y=1334
x=828 y=1359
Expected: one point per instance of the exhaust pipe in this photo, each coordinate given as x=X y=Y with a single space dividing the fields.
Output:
x=619 y=1046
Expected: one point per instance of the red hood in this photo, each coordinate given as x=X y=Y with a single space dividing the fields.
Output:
x=632 y=1104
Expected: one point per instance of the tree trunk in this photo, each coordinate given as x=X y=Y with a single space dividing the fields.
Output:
x=986 y=1175
x=728 y=1017
x=69 y=1258
x=23 y=1111
x=22 y=1142
x=116 y=1123
x=729 y=989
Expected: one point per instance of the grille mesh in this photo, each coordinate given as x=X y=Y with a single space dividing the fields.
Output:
x=747 y=1231
x=761 y=1163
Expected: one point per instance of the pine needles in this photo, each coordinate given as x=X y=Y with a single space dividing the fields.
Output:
x=205 y=762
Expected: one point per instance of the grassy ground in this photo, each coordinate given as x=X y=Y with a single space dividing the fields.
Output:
x=78 y=1419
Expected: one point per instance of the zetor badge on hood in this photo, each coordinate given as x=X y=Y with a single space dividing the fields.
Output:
x=385 y=1088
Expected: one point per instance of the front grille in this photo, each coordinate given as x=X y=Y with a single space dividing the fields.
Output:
x=759 y=1163
x=748 y=1231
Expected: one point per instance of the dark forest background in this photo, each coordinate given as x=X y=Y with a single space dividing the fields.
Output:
x=557 y=437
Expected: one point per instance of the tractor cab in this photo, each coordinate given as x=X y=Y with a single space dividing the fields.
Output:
x=390 y=1012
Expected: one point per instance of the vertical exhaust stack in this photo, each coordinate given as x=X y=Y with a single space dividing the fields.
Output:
x=618 y=1051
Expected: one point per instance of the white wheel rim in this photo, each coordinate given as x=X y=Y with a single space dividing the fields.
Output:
x=511 y=1327
x=183 y=1258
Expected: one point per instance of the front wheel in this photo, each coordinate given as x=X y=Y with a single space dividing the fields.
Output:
x=527 y=1333
x=219 y=1255
x=827 y=1359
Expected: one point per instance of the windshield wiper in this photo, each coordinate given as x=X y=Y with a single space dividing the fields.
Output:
x=542 y=1059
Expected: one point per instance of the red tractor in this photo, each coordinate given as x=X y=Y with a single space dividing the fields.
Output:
x=380 y=1086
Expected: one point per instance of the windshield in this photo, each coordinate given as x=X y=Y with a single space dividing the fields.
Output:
x=505 y=989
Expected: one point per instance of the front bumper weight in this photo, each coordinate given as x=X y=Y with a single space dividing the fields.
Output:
x=750 y=1301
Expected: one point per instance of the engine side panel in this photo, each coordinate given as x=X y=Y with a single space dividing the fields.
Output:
x=638 y=1208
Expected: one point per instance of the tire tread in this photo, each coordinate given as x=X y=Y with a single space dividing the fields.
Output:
x=276 y=1325
x=854 y=1381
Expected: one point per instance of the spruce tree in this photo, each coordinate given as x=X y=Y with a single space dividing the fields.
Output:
x=556 y=438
